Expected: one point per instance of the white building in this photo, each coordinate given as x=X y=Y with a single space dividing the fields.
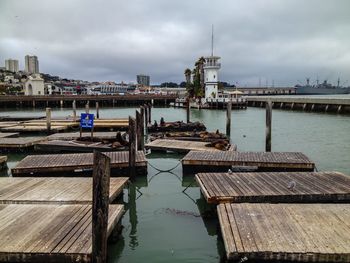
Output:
x=34 y=85
x=11 y=65
x=211 y=76
x=31 y=64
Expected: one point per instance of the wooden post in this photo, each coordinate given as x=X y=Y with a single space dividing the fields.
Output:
x=100 y=205
x=61 y=103
x=138 y=129
x=146 y=109
x=142 y=121
x=132 y=147
x=228 y=118
x=87 y=107
x=150 y=112
x=188 y=110
x=97 y=110
x=74 y=110
x=48 y=120
x=268 y=126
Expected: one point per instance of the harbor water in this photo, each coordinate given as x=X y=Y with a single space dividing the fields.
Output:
x=162 y=223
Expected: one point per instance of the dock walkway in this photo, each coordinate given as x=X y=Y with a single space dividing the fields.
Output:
x=49 y=233
x=8 y=134
x=293 y=232
x=219 y=161
x=53 y=190
x=179 y=146
x=274 y=187
x=68 y=164
x=67 y=136
x=21 y=143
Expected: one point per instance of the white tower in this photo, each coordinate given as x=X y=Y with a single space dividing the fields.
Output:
x=211 y=73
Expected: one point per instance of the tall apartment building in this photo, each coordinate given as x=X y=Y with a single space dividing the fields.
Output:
x=11 y=65
x=31 y=64
x=143 y=80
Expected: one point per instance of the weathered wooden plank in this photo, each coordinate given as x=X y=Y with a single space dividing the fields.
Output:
x=57 y=233
x=68 y=136
x=19 y=143
x=275 y=187
x=295 y=232
x=263 y=161
x=179 y=145
x=8 y=134
x=53 y=190
x=45 y=164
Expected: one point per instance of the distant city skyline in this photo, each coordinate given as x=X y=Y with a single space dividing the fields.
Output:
x=271 y=41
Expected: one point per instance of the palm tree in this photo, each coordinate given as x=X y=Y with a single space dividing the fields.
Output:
x=188 y=75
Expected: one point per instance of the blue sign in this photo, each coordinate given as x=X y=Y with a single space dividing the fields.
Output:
x=87 y=120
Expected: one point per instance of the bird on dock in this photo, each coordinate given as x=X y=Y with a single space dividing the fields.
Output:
x=291 y=185
x=229 y=171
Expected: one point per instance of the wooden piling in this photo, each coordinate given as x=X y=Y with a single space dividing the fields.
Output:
x=74 y=110
x=132 y=147
x=268 y=126
x=87 y=107
x=142 y=115
x=97 y=110
x=100 y=206
x=150 y=112
x=139 y=123
x=188 y=111
x=228 y=118
x=146 y=112
x=48 y=120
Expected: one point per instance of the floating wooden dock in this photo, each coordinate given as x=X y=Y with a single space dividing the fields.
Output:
x=69 y=164
x=22 y=143
x=111 y=124
x=3 y=162
x=49 y=233
x=219 y=161
x=68 y=136
x=286 y=187
x=8 y=134
x=40 y=126
x=21 y=118
x=56 y=146
x=179 y=146
x=292 y=232
x=54 y=190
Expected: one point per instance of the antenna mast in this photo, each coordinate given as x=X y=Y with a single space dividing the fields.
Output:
x=212 y=39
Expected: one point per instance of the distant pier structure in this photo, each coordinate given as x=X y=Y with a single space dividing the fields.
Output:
x=317 y=103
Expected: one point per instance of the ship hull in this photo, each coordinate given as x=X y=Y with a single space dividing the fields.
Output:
x=319 y=91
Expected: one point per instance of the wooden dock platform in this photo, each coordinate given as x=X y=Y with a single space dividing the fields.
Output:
x=40 y=126
x=70 y=164
x=56 y=146
x=292 y=232
x=179 y=146
x=68 y=136
x=54 y=190
x=18 y=144
x=286 y=187
x=49 y=233
x=111 y=124
x=219 y=161
x=8 y=134
x=3 y=162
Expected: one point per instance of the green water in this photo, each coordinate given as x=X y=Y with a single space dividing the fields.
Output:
x=161 y=223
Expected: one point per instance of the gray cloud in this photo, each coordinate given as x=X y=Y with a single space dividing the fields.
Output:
x=114 y=40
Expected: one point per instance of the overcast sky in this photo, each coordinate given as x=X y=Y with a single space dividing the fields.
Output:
x=284 y=41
